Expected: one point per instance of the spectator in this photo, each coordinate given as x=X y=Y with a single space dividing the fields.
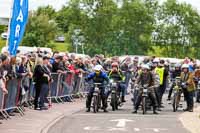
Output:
x=88 y=65
x=79 y=65
x=107 y=65
x=94 y=63
x=57 y=66
x=38 y=77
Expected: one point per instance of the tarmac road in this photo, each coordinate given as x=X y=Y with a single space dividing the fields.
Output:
x=121 y=121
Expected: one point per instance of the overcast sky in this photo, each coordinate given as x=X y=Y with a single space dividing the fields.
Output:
x=5 y=5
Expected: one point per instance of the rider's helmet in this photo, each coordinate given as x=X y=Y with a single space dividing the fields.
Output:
x=156 y=60
x=115 y=64
x=185 y=66
x=98 y=69
x=198 y=65
x=151 y=65
x=166 y=63
x=145 y=67
x=177 y=65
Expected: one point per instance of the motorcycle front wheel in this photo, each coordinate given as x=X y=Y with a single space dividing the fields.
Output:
x=113 y=101
x=95 y=104
x=144 y=105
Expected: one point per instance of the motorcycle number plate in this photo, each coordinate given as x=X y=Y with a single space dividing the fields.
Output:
x=144 y=95
x=95 y=94
x=145 y=90
x=114 y=84
x=96 y=89
x=113 y=91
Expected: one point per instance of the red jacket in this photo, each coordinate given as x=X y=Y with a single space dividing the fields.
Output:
x=72 y=68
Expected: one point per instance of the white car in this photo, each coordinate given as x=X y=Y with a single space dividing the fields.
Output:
x=25 y=49
x=60 y=39
x=4 y=35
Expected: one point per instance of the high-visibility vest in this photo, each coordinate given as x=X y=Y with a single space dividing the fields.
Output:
x=160 y=72
x=119 y=73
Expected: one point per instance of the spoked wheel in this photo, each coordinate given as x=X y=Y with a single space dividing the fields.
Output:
x=144 y=105
x=95 y=104
x=174 y=105
x=113 y=102
x=175 y=102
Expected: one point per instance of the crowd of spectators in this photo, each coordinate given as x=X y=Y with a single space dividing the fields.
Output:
x=38 y=66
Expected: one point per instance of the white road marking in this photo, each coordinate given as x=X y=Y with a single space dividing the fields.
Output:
x=117 y=129
x=136 y=129
x=156 y=130
x=92 y=128
x=122 y=122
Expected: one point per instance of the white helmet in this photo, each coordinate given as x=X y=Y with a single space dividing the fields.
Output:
x=185 y=66
x=145 y=66
x=166 y=63
x=177 y=65
x=156 y=60
x=98 y=68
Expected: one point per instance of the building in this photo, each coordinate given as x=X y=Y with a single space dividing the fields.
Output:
x=5 y=8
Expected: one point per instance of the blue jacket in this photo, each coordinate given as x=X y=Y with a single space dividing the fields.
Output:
x=98 y=78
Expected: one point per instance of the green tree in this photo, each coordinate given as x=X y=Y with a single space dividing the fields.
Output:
x=3 y=28
x=132 y=27
x=177 y=29
x=40 y=31
x=47 y=11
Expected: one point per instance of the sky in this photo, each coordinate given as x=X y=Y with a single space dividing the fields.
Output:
x=5 y=5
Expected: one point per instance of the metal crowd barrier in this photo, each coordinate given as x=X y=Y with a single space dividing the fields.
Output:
x=54 y=86
x=66 y=86
x=21 y=92
x=2 y=111
x=83 y=88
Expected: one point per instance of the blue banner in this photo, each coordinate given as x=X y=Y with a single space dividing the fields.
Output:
x=17 y=24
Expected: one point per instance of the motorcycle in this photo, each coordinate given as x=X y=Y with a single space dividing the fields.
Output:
x=144 y=98
x=96 y=102
x=177 y=91
x=134 y=88
x=197 y=90
x=115 y=95
x=135 y=92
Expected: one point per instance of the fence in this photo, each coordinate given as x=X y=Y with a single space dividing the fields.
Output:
x=21 y=92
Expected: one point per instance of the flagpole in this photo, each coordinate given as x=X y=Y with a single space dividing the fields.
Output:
x=11 y=12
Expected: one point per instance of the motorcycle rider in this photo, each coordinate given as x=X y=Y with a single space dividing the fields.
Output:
x=163 y=73
x=98 y=76
x=146 y=78
x=116 y=74
x=156 y=83
x=175 y=73
x=188 y=86
x=197 y=78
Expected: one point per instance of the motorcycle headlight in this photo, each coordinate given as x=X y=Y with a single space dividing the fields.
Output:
x=111 y=81
x=96 y=89
x=176 y=88
x=145 y=90
x=183 y=84
x=114 y=84
x=146 y=85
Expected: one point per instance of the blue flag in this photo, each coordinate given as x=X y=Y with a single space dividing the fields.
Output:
x=17 y=24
